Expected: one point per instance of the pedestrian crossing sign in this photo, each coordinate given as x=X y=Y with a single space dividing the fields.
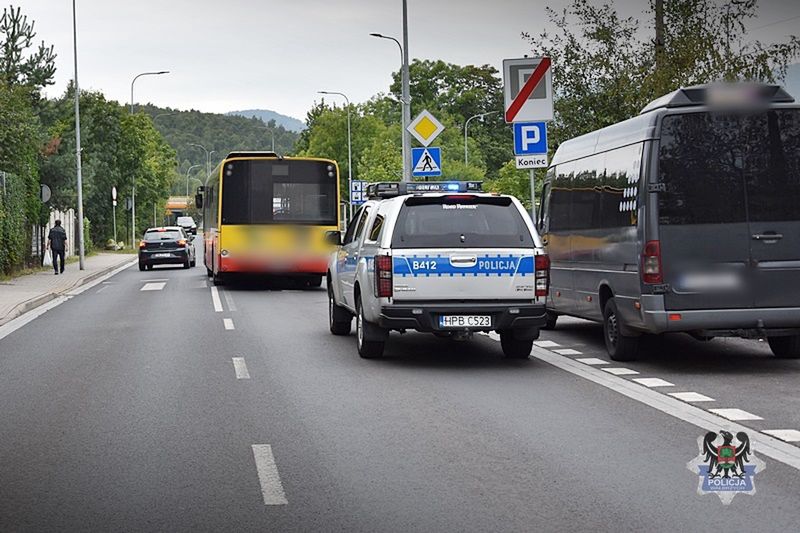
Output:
x=426 y=162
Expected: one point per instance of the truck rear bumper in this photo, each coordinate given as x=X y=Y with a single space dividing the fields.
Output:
x=425 y=317
x=660 y=320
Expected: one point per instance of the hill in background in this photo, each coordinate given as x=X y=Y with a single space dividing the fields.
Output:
x=289 y=123
x=792 y=81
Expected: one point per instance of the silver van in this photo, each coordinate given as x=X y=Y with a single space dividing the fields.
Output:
x=685 y=218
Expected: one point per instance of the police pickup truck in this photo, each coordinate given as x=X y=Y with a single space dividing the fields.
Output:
x=439 y=257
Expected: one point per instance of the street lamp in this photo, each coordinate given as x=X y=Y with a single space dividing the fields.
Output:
x=466 y=126
x=208 y=156
x=189 y=170
x=133 y=185
x=349 y=152
x=79 y=176
x=405 y=99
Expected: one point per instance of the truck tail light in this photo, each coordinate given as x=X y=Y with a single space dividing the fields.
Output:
x=383 y=276
x=651 y=263
x=542 y=270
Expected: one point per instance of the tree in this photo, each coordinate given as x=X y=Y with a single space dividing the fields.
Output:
x=19 y=65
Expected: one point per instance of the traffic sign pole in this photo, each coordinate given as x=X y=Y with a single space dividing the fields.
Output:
x=533 y=196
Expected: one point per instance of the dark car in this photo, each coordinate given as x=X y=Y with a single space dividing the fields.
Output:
x=188 y=224
x=166 y=246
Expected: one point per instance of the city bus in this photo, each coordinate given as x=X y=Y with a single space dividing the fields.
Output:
x=267 y=215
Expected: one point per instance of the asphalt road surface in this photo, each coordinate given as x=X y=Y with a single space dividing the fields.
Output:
x=153 y=402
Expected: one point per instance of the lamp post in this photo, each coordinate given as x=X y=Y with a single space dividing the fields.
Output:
x=208 y=156
x=349 y=153
x=133 y=185
x=405 y=99
x=79 y=177
x=188 y=171
x=466 y=126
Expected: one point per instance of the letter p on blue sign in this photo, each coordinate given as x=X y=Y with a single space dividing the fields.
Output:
x=530 y=138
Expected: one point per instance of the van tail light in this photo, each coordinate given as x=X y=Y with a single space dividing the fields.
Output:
x=383 y=276
x=542 y=274
x=651 y=263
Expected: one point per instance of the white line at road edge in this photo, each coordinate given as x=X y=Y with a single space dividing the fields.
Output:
x=229 y=300
x=10 y=327
x=215 y=299
x=271 y=486
x=228 y=323
x=240 y=367
x=769 y=446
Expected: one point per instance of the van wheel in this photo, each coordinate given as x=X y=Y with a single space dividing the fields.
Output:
x=367 y=349
x=514 y=348
x=620 y=347
x=339 y=318
x=785 y=347
x=552 y=317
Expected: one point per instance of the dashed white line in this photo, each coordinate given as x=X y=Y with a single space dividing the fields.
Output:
x=155 y=279
x=620 y=371
x=735 y=414
x=653 y=382
x=228 y=322
x=240 y=367
x=101 y=289
x=592 y=361
x=568 y=351
x=546 y=344
x=153 y=286
x=229 y=300
x=271 y=486
x=691 y=397
x=215 y=300
x=787 y=435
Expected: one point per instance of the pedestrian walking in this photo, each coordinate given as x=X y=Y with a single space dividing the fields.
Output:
x=56 y=242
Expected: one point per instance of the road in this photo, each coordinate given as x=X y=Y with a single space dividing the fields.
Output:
x=124 y=409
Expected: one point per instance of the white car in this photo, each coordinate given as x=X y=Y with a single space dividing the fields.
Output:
x=440 y=257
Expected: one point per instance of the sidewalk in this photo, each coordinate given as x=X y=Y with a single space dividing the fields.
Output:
x=20 y=295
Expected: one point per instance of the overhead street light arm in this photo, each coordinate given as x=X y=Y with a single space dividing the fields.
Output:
x=349 y=151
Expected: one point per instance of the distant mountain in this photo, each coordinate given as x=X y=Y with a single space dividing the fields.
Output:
x=792 y=81
x=289 y=123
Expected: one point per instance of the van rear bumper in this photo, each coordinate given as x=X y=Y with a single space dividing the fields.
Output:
x=425 y=317
x=657 y=319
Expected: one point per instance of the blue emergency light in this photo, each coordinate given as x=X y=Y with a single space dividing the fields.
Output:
x=395 y=188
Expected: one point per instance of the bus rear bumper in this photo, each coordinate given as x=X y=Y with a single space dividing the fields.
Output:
x=274 y=266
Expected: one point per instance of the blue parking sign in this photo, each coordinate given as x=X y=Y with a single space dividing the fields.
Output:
x=530 y=138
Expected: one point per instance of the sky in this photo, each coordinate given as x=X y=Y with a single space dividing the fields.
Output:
x=269 y=54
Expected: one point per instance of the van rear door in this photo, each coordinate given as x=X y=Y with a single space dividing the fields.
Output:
x=772 y=179
x=462 y=247
x=702 y=215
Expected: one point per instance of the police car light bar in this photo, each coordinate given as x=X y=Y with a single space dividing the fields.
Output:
x=391 y=189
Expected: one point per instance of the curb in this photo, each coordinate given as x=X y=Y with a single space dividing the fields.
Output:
x=37 y=301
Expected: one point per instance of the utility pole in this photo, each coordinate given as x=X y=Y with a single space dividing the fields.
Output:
x=406 y=100
x=659 y=43
x=81 y=258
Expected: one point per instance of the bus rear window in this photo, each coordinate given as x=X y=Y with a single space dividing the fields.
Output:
x=460 y=221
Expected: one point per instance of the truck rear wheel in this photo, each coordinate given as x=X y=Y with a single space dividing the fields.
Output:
x=339 y=318
x=367 y=349
x=514 y=348
x=620 y=347
x=787 y=347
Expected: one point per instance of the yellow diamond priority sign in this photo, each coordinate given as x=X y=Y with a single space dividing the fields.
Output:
x=425 y=128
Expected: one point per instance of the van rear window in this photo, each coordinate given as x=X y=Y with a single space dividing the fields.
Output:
x=460 y=221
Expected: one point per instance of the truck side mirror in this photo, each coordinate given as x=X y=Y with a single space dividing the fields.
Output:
x=333 y=237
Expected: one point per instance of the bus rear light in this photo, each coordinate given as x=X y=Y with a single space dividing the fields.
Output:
x=542 y=274
x=383 y=276
x=651 y=263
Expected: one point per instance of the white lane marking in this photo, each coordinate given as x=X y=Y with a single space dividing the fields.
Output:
x=494 y=336
x=653 y=382
x=691 y=397
x=240 y=367
x=546 y=344
x=228 y=322
x=101 y=289
x=787 y=435
x=735 y=414
x=568 y=351
x=271 y=486
x=593 y=361
x=153 y=286
x=787 y=454
x=13 y=325
x=154 y=279
x=229 y=300
x=620 y=371
x=215 y=299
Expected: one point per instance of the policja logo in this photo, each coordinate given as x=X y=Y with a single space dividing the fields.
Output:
x=725 y=468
